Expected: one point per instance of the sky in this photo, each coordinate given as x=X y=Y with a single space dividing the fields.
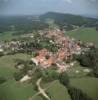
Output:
x=32 y=7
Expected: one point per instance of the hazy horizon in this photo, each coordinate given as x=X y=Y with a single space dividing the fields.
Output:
x=36 y=7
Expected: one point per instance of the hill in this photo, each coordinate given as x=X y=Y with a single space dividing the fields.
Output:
x=63 y=19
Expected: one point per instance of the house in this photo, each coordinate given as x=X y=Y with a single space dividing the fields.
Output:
x=38 y=59
x=25 y=78
x=20 y=66
x=41 y=54
x=61 y=54
x=1 y=47
x=48 y=62
x=1 y=50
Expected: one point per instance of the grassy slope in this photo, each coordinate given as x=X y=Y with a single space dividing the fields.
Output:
x=7 y=64
x=77 y=67
x=7 y=36
x=88 y=85
x=38 y=98
x=58 y=92
x=12 y=90
x=85 y=34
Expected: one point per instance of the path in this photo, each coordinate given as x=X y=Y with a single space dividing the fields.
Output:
x=41 y=90
x=51 y=84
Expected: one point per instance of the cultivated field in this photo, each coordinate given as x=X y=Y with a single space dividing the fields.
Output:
x=85 y=34
x=88 y=85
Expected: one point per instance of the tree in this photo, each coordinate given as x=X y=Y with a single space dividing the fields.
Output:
x=69 y=27
x=2 y=80
x=88 y=58
x=18 y=76
x=49 y=75
x=1 y=54
x=77 y=94
x=97 y=28
x=95 y=71
x=64 y=79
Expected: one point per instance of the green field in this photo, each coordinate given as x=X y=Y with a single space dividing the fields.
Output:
x=7 y=35
x=7 y=64
x=72 y=72
x=85 y=34
x=58 y=92
x=88 y=85
x=11 y=90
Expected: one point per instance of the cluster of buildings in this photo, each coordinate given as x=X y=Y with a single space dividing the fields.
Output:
x=67 y=48
x=1 y=49
x=62 y=58
x=10 y=46
x=13 y=46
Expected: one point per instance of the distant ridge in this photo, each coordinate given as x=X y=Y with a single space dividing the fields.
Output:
x=61 y=18
x=55 y=14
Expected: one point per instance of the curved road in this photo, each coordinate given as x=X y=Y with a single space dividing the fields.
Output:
x=41 y=90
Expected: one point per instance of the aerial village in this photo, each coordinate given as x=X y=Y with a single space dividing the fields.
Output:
x=68 y=47
x=63 y=58
x=49 y=55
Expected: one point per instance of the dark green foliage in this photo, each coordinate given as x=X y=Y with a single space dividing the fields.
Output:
x=88 y=58
x=26 y=68
x=96 y=26
x=77 y=94
x=35 y=77
x=18 y=76
x=1 y=54
x=39 y=43
x=69 y=27
x=95 y=71
x=49 y=75
x=64 y=79
x=44 y=43
x=27 y=65
x=2 y=80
